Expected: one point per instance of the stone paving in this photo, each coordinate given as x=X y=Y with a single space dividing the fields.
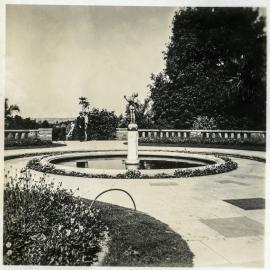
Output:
x=218 y=233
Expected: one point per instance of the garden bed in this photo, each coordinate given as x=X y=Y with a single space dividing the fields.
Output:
x=48 y=225
x=256 y=144
x=50 y=145
x=28 y=143
x=218 y=146
x=225 y=165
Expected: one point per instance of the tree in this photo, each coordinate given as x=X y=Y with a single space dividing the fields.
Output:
x=215 y=67
x=143 y=112
x=45 y=124
x=84 y=103
x=102 y=124
x=9 y=111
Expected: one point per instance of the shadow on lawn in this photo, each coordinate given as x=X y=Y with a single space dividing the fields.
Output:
x=138 y=239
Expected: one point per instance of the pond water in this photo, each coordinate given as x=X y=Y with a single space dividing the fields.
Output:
x=146 y=162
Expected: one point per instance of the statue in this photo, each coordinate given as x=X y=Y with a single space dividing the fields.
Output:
x=132 y=104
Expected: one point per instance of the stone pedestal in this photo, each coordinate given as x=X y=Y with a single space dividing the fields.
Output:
x=132 y=157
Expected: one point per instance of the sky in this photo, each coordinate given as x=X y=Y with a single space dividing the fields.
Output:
x=55 y=54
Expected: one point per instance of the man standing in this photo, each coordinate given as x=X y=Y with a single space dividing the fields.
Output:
x=81 y=126
x=85 y=125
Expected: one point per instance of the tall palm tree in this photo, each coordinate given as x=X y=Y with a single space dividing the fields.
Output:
x=9 y=110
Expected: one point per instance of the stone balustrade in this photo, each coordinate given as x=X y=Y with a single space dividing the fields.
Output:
x=44 y=134
x=180 y=133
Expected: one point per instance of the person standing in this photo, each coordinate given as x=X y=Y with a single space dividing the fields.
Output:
x=81 y=126
x=85 y=125
x=69 y=130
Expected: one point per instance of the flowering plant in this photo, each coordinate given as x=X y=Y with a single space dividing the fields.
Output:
x=45 y=224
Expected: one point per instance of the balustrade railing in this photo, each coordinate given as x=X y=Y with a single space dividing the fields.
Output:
x=181 y=133
x=20 y=134
x=226 y=134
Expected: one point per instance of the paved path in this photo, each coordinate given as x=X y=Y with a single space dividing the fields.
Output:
x=218 y=233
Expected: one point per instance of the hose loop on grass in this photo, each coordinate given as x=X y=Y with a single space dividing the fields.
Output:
x=113 y=189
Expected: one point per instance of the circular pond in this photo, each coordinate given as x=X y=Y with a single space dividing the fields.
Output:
x=111 y=163
x=145 y=162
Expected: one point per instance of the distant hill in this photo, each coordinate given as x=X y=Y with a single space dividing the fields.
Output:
x=53 y=120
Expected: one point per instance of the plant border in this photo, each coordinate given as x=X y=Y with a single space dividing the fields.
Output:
x=228 y=165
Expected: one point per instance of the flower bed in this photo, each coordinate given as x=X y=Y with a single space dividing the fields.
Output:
x=46 y=225
x=200 y=140
x=228 y=165
x=26 y=142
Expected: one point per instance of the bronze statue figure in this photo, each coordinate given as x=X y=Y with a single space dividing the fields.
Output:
x=132 y=106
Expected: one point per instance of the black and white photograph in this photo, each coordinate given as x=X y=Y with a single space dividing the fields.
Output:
x=134 y=134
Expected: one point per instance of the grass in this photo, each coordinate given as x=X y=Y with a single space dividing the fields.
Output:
x=219 y=146
x=140 y=240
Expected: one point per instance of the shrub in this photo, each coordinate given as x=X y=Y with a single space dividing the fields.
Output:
x=203 y=122
x=59 y=132
x=46 y=225
x=228 y=166
x=200 y=140
x=26 y=142
x=130 y=174
x=102 y=124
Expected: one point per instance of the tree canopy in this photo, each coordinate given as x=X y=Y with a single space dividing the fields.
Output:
x=14 y=121
x=215 y=68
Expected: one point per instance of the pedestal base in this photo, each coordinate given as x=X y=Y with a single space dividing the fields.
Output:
x=132 y=162
x=132 y=166
x=132 y=157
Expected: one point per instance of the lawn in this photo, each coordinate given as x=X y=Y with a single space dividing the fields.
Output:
x=138 y=239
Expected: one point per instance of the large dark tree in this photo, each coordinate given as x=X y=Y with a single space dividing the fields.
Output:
x=215 y=67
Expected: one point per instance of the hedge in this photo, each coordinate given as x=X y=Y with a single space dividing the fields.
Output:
x=200 y=140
